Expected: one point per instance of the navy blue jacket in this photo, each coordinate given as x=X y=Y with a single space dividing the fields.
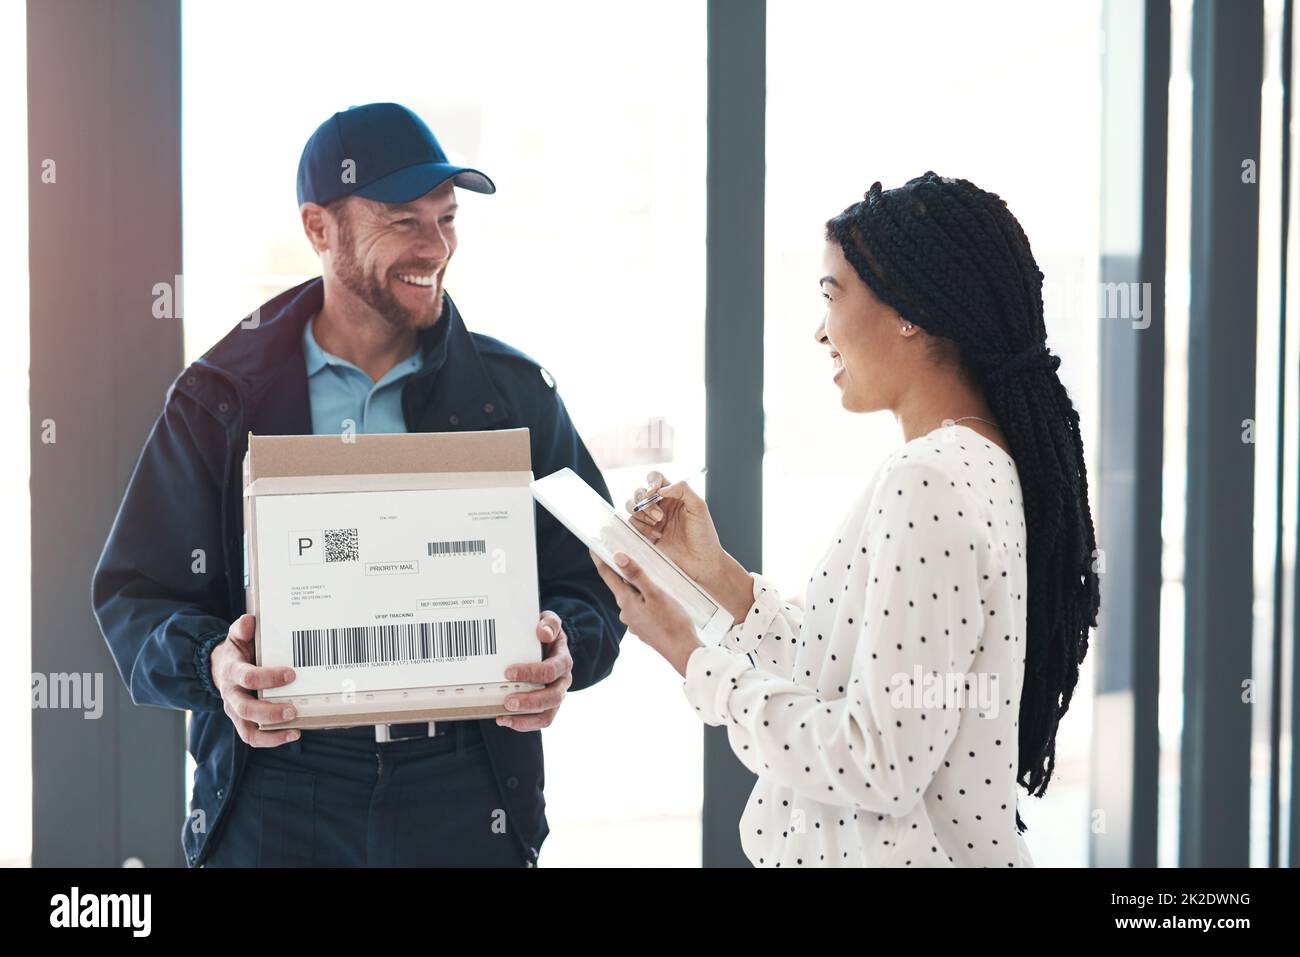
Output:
x=161 y=619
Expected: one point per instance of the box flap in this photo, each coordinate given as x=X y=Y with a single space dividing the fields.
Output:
x=502 y=450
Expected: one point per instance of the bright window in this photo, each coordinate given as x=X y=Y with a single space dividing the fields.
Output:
x=590 y=257
x=1007 y=95
x=15 y=566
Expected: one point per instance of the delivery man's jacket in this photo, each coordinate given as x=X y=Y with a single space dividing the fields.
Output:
x=170 y=579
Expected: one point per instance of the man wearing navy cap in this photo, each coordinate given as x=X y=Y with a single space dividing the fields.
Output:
x=374 y=345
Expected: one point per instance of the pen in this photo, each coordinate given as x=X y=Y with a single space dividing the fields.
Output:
x=651 y=499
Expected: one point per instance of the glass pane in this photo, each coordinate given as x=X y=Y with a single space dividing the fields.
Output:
x=1174 y=491
x=1291 y=488
x=591 y=251
x=1006 y=95
x=16 y=565
x=1261 y=432
x=1265 y=434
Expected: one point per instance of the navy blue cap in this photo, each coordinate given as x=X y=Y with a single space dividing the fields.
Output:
x=395 y=158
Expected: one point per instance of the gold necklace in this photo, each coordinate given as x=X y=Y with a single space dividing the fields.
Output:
x=977 y=419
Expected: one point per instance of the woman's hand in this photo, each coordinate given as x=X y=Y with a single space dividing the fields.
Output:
x=680 y=526
x=649 y=612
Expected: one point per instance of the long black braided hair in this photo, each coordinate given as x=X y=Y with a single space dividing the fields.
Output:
x=950 y=258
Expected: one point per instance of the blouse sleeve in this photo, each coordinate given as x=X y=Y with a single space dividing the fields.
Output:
x=769 y=631
x=875 y=743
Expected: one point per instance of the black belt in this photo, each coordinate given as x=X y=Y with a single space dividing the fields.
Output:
x=400 y=731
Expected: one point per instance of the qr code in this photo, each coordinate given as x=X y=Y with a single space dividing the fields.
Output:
x=341 y=545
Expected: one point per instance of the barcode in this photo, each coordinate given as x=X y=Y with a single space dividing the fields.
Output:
x=474 y=546
x=391 y=644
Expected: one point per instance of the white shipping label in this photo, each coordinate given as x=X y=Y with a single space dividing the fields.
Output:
x=372 y=591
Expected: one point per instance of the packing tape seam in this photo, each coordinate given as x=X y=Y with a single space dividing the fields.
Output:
x=384 y=482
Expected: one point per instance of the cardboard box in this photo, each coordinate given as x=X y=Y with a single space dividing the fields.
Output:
x=396 y=574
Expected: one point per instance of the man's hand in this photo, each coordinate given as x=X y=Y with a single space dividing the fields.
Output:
x=238 y=680
x=555 y=670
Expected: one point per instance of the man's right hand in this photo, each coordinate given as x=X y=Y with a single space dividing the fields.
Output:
x=238 y=680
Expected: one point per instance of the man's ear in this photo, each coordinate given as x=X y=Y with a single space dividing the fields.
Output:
x=314 y=222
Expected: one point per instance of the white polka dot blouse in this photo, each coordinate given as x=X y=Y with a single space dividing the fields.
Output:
x=882 y=715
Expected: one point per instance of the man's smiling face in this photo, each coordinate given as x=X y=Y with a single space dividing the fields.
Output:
x=392 y=256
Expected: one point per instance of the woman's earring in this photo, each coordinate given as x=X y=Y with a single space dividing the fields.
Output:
x=907 y=327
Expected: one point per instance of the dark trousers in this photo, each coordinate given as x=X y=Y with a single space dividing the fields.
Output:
x=341 y=799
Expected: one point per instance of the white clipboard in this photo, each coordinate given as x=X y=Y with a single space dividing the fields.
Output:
x=580 y=509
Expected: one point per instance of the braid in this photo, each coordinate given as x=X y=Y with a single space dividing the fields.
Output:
x=952 y=259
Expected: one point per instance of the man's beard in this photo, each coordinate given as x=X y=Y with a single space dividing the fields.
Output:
x=379 y=296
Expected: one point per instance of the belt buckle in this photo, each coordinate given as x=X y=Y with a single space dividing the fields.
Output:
x=384 y=732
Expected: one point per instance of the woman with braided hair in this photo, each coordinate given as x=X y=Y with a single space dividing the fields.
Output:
x=891 y=716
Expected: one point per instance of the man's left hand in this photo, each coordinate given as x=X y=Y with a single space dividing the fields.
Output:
x=537 y=709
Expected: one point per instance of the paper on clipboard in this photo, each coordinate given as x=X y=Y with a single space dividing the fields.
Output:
x=580 y=509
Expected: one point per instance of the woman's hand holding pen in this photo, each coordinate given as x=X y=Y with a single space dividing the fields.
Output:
x=680 y=525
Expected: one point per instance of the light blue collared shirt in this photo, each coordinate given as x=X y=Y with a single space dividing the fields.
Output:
x=340 y=391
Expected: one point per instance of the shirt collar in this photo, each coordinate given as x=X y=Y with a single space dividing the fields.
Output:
x=318 y=358
x=252 y=359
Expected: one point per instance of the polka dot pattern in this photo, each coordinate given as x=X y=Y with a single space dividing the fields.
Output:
x=881 y=712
